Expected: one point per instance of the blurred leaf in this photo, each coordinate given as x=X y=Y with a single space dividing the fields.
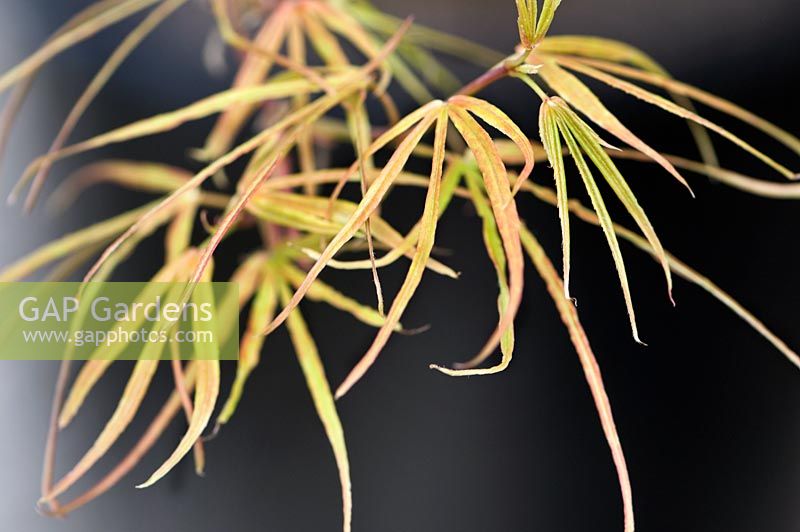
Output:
x=86 y=28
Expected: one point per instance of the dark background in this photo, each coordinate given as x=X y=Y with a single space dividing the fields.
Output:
x=708 y=414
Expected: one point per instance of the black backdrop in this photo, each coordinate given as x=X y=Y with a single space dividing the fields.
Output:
x=707 y=414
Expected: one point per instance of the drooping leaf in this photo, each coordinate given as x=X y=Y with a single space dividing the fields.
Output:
x=252 y=342
x=71 y=243
x=611 y=50
x=496 y=181
x=427 y=234
x=588 y=143
x=323 y=292
x=569 y=315
x=71 y=37
x=17 y=98
x=365 y=208
x=494 y=248
x=314 y=372
x=679 y=268
x=142 y=176
x=205 y=397
x=704 y=97
x=551 y=139
x=139 y=450
x=126 y=47
x=430 y=38
x=127 y=407
x=605 y=220
x=252 y=72
x=308 y=113
x=579 y=96
x=751 y=185
x=500 y=121
x=101 y=359
x=677 y=110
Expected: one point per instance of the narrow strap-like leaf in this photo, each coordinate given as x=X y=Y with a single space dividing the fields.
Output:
x=252 y=72
x=126 y=47
x=127 y=407
x=526 y=21
x=427 y=235
x=569 y=315
x=205 y=397
x=585 y=137
x=677 y=110
x=494 y=248
x=549 y=8
x=71 y=243
x=715 y=102
x=261 y=313
x=612 y=50
x=495 y=180
x=71 y=37
x=325 y=293
x=308 y=113
x=551 y=140
x=365 y=208
x=500 y=121
x=680 y=268
x=135 y=175
x=579 y=96
x=308 y=356
x=605 y=221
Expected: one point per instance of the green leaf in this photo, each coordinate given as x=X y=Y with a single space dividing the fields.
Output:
x=604 y=217
x=252 y=342
x=549 y=8
x=588 y=142
x=548 y=132
x=679 y=268
x=706 y=98
x=324 y=293
x=526 y=20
